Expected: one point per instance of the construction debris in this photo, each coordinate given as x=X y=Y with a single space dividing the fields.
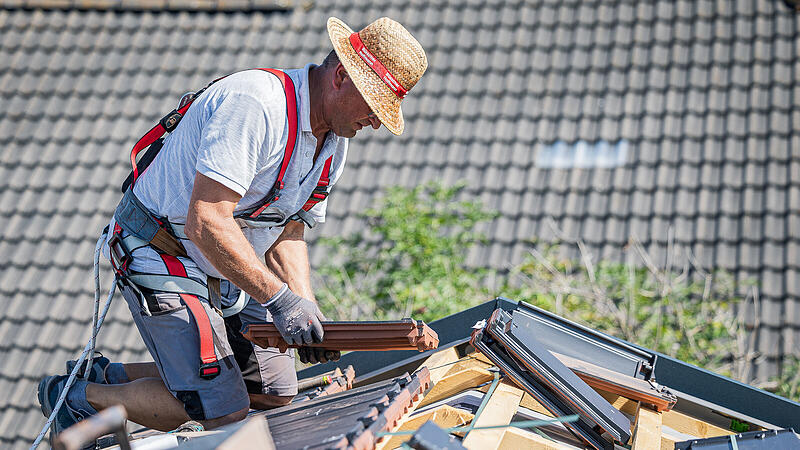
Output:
x=405 y=334
x=520 y=389
x=517 y=353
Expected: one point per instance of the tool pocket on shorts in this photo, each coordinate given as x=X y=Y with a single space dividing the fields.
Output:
x=162 y=302
x=176 y=342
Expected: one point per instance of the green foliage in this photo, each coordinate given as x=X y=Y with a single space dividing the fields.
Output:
x=672 y=313
x=789 y=380
x=409 y=261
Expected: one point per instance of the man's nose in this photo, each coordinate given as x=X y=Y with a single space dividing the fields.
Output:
x=374 y=121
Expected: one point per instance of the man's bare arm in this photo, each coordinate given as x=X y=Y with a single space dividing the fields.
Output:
x=210 y=225
x=288 y=259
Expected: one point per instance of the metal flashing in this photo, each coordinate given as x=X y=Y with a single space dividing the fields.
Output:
x=772 y=439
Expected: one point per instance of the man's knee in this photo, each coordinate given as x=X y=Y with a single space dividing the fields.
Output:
x=224 y=420
x=266 y=401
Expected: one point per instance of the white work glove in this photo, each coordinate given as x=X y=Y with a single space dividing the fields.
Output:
x=296 y=318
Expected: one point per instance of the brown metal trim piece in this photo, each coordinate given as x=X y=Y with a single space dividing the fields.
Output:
x=405 y=334
x=629 y=387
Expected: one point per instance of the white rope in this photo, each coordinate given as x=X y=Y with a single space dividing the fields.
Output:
x=97 y=322
x=97 y=249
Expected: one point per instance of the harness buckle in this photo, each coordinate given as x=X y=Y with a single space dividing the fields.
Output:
x=120 y=262
x=171 y=120
x=320 y=192
x=209 y=371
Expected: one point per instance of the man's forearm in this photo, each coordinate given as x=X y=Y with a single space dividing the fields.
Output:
x=223 y=243
x=288 y=259
x=210 y=225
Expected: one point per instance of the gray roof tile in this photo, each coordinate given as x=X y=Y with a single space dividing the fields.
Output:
x=703 y=94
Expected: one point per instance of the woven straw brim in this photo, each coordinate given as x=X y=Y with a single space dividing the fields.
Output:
x=384 y=103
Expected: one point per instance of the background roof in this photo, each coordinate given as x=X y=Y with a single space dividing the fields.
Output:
x=695 y=98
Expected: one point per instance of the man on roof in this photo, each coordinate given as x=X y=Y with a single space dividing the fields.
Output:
x=220 y=212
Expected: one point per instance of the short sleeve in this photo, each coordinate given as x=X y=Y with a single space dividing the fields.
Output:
x=231 y=141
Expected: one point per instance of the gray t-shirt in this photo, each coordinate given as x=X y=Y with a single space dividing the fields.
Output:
x=235 y=133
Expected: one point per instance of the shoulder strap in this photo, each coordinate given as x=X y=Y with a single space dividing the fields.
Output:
x=291 y=114
x=171 y=120
x=320 y=193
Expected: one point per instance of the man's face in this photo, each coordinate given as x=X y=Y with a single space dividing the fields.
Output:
x=350 y=112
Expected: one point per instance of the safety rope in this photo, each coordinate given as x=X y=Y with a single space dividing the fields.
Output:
x=97 y=249
x=97 y=322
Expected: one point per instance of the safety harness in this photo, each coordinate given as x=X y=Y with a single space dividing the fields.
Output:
x=136 y=227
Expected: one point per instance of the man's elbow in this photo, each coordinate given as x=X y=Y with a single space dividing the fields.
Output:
x=194 y=226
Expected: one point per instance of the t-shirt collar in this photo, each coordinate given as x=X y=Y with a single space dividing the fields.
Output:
x=304 y=98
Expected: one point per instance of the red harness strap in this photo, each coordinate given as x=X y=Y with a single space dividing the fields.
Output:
x=210 y=366
x=171 y=120
x=291 y=115
x=320 y=193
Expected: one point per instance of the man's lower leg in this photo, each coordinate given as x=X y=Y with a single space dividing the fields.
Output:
x=135 y=371
x=149 y=403
x=146 y=400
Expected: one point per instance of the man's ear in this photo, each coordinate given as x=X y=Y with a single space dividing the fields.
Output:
x=339 y=75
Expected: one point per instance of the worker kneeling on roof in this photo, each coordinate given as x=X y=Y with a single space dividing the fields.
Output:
x=249 y=164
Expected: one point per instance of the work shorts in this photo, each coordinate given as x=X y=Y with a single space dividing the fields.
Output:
x=169 y=330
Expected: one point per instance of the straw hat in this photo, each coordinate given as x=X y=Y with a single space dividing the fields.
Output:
x=384 y=61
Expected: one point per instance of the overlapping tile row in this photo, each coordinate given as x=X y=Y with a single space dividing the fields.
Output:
x=352 y=418
x=702 y=92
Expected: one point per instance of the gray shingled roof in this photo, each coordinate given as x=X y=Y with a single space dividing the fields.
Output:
x=703 y=93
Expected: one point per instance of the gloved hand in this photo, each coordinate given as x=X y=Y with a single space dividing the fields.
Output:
x=315 y=355
x=296 y=318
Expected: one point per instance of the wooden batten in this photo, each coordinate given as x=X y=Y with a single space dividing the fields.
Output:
x=444 y=416
x=515 y=439
x=457 y=382
x=646 y=429
x=499 y=410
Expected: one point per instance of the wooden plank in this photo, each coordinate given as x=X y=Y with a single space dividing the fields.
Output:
x=515 y=439
x=689 y=425
x=481 y=357
x=445 y=416
x=647 y=431
x=499 y=410
x=440 y=363
x=469 y=362
x=456 y=383
x=623 y=404
x=668 y=441
x=527 y=402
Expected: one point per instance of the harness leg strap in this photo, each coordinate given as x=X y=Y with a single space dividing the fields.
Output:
x=210 y=367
